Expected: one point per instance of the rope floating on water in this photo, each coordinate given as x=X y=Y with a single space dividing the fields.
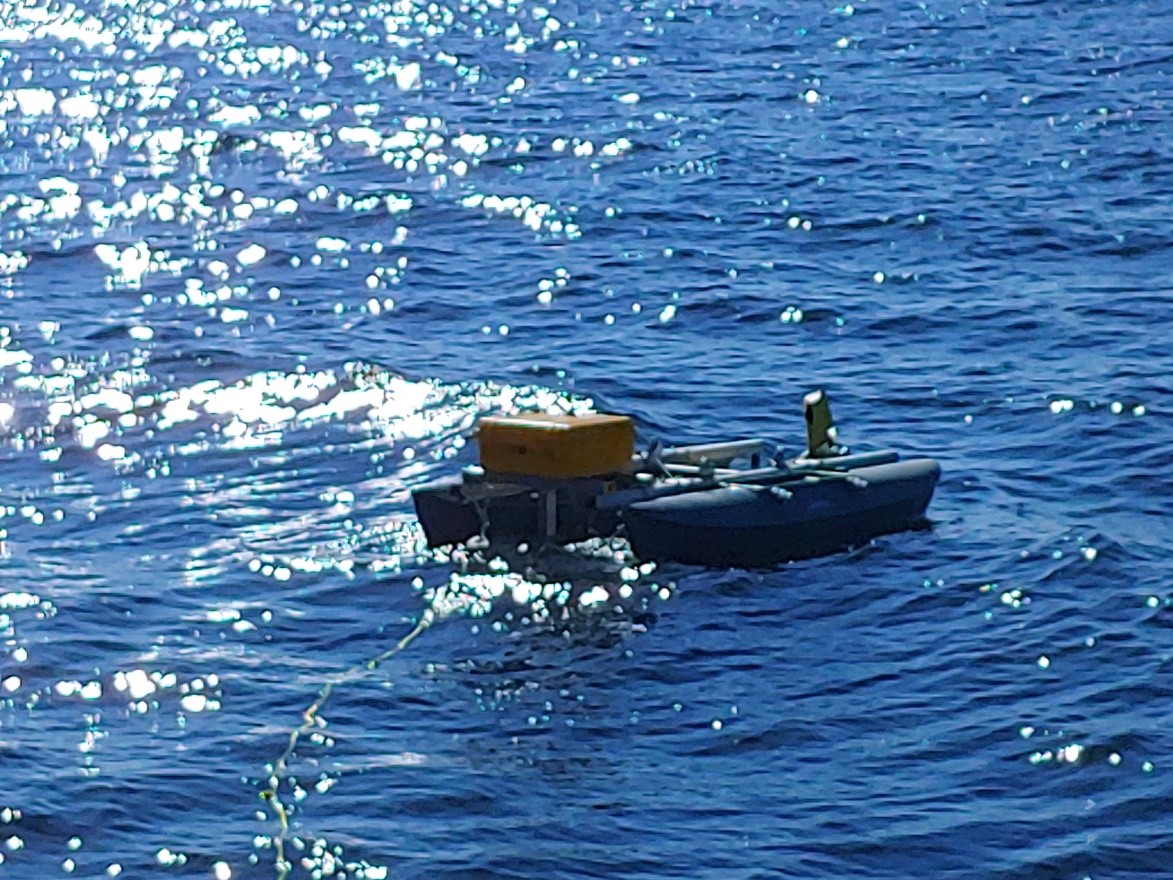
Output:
x=310 y=720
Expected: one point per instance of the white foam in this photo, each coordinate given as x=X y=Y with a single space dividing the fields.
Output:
x=251 y=255
x=194 y=702
x=79 y=107
x=18 y=601
x=397 y=204
x=137 y=682
x=332 y=245
x=360 y=136
x=407 y=77
x=195 y=39
x=34 y=102
x=12 y=263
x=226 y=115
x=14 y=357
x=130 y=264
x=472 y=144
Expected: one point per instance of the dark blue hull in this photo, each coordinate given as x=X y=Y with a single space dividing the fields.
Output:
x=511 y=512
x=445 y=514
x=756 y=526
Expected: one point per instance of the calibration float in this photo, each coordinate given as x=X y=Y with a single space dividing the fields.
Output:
x=560 y=479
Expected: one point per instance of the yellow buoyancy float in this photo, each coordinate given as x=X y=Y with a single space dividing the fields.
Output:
x=556 y=446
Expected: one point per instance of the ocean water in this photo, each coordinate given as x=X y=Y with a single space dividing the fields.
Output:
x=262 y=264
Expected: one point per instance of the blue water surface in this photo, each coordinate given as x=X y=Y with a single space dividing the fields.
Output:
x=263 y=263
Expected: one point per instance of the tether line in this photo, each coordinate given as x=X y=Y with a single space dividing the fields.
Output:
x=309 y=720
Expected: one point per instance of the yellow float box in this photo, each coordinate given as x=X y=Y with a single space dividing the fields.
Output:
x=556 y=446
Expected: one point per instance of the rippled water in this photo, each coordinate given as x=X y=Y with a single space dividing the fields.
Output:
x=263 y=263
